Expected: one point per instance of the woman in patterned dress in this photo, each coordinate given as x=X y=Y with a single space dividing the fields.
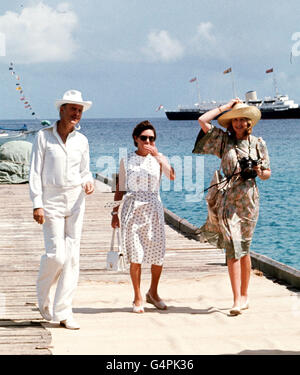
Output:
x=233 y=211
x=142 y=216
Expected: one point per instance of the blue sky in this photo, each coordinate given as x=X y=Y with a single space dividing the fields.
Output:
x=130 y=56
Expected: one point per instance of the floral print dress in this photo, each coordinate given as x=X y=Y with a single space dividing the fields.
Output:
x=233 y=224
x=142 y=216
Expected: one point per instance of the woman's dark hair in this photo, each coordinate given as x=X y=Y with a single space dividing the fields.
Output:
x=138 y=130
x=248 y=131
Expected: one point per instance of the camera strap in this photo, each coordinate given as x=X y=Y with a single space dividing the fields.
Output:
x=227 y=179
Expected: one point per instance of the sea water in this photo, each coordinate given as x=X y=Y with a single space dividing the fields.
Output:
x=277 y=232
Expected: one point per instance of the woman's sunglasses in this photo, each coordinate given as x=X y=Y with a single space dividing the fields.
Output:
x=145 y=137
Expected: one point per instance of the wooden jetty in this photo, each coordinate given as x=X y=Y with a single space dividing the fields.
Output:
x=21 y=246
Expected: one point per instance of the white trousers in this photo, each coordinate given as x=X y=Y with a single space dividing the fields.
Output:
x=64 y=210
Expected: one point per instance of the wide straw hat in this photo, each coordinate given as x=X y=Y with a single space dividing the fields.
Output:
x=73 y=97
x=240 y=110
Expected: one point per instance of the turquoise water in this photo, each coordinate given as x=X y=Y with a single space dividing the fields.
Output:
x=277 y=233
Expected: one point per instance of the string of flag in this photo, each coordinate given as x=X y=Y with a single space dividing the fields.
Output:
x=20 y=90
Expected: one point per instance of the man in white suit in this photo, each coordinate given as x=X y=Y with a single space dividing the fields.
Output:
x=59 y=179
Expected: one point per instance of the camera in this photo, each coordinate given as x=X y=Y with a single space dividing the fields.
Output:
x=247 y=165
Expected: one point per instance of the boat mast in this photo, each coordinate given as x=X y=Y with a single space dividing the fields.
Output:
x=271 y=70
x=195 y=79
x=233 y=86
x=229 y=70
x=198 y=90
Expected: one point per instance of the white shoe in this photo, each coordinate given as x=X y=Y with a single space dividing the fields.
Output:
x=245 y=306
x=137 y=309
x=70 y=323
x=46 y=313
x=235 y=310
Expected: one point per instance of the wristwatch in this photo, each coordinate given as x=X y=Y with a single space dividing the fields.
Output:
x=114 y=213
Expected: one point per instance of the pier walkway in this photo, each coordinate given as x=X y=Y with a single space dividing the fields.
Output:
x=194 y=284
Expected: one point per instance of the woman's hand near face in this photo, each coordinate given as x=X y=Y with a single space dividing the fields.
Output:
x=151 y=148
x=205 y=119
x=165 y=166
x=230 y=104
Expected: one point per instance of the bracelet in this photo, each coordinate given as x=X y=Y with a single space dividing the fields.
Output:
x=219 y=107
x=114 y=213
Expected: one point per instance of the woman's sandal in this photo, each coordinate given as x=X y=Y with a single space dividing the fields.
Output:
x=236 y=310
x=245 y=306
x=158 y=304
x=137 y=309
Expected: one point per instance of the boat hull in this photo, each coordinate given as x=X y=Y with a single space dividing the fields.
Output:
x=265 y=114
x=180 y=115
x=11 y=137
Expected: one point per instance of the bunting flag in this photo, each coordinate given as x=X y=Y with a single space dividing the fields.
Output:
x=227 y=71
x=19 y=88
x=193 y=79
x=269 y=70
x=159 y=107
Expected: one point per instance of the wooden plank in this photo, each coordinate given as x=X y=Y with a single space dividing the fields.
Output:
x=24 y=349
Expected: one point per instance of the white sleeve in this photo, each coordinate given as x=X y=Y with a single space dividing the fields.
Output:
x=122 y=176
x=36 y=169
x=86 y=175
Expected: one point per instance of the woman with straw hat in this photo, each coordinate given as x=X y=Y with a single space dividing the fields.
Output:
x=233 y=210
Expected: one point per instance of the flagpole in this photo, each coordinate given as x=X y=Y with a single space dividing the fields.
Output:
x=233 y=86
x=229 y=70
x=275 y=84
x=198 y=90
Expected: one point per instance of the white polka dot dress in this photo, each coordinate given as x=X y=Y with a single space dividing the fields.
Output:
x=142 y=216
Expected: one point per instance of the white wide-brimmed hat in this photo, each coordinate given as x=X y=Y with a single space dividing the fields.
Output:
x=73 y=97
x=240 y=110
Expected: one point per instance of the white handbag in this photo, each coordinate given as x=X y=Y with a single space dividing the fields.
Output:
x=115 y=258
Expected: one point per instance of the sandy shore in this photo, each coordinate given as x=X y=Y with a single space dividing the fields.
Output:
x=197 y=321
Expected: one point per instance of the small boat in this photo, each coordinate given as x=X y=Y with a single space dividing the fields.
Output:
x=7 y=134
x=6 y=137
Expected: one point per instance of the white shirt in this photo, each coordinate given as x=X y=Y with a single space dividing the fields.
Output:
x=55 y=164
